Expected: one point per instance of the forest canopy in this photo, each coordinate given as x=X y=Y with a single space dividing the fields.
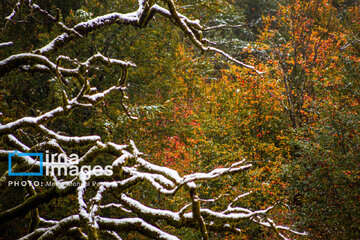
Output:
x=163 y=119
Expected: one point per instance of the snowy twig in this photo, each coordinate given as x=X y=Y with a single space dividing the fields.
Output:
x=223 y=26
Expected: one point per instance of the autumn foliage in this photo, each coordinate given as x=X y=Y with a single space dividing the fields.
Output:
x=296 y=120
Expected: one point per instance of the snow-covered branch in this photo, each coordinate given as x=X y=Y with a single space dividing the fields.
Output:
x=43 y=64
x=141 y=17
x=91 y=99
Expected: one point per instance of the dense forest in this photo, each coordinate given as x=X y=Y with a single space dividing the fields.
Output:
x=187 y=119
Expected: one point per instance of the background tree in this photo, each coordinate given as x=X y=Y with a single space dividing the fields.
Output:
x=314 y=58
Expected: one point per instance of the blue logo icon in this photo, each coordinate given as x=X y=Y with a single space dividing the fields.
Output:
x=16 y=153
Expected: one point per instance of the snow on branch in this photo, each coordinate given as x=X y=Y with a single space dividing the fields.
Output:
x=43 y=64
x=92 y=99
x=130 y=172
x=134 y=224
x=67 y=139
x=5 y=44
x=58 y=229
x=221 y=26
x=215 y=173
x=14 y=61
x=141 y=17
x=193 y=30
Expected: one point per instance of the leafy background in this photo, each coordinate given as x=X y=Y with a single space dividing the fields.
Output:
x=298 y=123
